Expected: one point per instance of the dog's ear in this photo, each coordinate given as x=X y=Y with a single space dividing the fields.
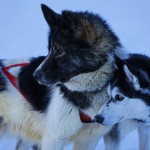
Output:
x=144 y=78
x=130 y=74
x=51 y=17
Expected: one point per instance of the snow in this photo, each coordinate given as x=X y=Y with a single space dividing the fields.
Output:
x=24 y=32
x=129 y=143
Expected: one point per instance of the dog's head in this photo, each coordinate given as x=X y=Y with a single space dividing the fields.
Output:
x=79 y=42
x=129 y=93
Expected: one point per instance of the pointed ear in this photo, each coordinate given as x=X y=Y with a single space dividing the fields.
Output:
x=129 y=74
x=51 y=17
x=145 y=76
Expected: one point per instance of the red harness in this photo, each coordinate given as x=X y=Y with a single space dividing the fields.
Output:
x=84 y=117
x=11 y=77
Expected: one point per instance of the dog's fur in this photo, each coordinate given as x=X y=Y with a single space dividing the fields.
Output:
x=79 y=67
x=76 y=73
x=129 y=93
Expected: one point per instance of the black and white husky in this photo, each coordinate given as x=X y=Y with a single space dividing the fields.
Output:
x=129 y=93
x=73 y=84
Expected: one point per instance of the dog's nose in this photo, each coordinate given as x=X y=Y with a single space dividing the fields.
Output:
x=37 y=75
x=99 y=119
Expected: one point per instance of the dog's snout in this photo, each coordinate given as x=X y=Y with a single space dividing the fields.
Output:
x=99 y=119
x=37 y=74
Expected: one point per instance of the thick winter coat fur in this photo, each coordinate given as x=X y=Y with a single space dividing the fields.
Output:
x=73 y=78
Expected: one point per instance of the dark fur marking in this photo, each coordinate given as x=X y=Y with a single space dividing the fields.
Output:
x=141 y=63
x=79 y=99
x=113 y=135
x=128 y=90
x=36 y=94
x=136 y=64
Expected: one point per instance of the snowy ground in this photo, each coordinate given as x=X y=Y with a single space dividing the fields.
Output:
x=129 y=143
x=23 y=33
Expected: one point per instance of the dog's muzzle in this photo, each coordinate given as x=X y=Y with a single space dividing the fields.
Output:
x=37 y=75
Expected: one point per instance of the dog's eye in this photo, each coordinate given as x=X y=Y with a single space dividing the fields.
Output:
x=119 y=97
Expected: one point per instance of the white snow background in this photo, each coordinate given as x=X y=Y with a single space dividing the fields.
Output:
x=23 y=33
